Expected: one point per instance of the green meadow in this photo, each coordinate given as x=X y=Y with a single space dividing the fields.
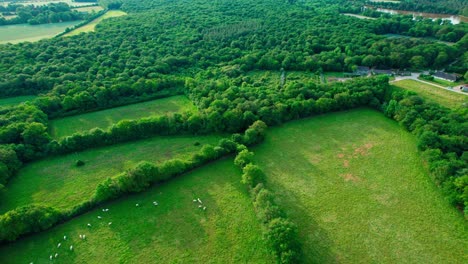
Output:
x=174 y=231
x=92 y=25
x=57 y=181
x=11 y=101
x=104 y=119
x=25 y=32
x=435 y=94
x=355 y=185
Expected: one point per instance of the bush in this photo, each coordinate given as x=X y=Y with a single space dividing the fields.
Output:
x=243 y=158
x=252 y=175
x=282 y=234
x=27 y=219
x=255 y=133
x=79 y=163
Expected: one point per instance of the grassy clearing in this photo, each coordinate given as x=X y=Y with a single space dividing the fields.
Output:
x=444 y=82
x=175 y=231
x=25 y=32
x=359 y=16
x=89 y=8
x=103 y=119
x=92 y=25
x=434 y=94
x=58 y=182
x=16 y=100
x=356 y=186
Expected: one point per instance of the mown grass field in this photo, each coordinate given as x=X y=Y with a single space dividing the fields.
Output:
x=59 y=183
x=25 y=32
x=355 y=185
x=103 y=119
x=15 y=100
x=434 y=94
x=175 y=231
x=92 y=25
x=89 y=9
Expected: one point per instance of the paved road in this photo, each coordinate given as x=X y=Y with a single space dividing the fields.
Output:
x=414 y=76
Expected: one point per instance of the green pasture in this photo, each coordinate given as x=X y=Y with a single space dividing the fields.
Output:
x=174 y=231
x=355 y=185
x=92 y=25
x=57 y=182
x=25 y=32
x=435 y=94
x=11 y=101
x=104 y=119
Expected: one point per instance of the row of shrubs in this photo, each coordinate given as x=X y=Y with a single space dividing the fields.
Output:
x=35 y=218
x=280 y=232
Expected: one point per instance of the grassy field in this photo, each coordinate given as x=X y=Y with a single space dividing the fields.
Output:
x=92 y=25
x=58 y=182
x=175 y=231
x=15 y=100
x=434 y=94
x=356 y=187
x=103 y=119
x=25 y=32
x=89 y=8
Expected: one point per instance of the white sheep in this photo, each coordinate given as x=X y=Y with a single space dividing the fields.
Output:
x=155 y=203
x=110 y=223
x=81 y=237
x=56 y=255
x=199 y=206
x=199 y=200
x=64 y=237
x=204 y=208
x=194 y=200
x=99 y=217
x=137 y=205
x=50 y=257
x=84 y=236
x=71 y=248
x=89 y=225
x=59 y=244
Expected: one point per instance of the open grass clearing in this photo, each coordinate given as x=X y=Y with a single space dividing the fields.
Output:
x=92 y=25
x=435 y=94
x=89 y=9
x=355 y=185
x=104 y=119
x=359 y=16
x=444 y=82
x=175 y=231
x=57 y=182
x=25 y=32
x=11 y=101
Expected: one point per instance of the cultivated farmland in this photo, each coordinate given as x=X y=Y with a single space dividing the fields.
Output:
x=357 y=188
x=175 y=231
x=105 y=118
x=58 y=182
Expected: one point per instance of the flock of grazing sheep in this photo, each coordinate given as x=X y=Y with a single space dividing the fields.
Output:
x=83 y=236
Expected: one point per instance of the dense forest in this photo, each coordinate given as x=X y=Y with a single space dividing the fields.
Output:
x=206 y=50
